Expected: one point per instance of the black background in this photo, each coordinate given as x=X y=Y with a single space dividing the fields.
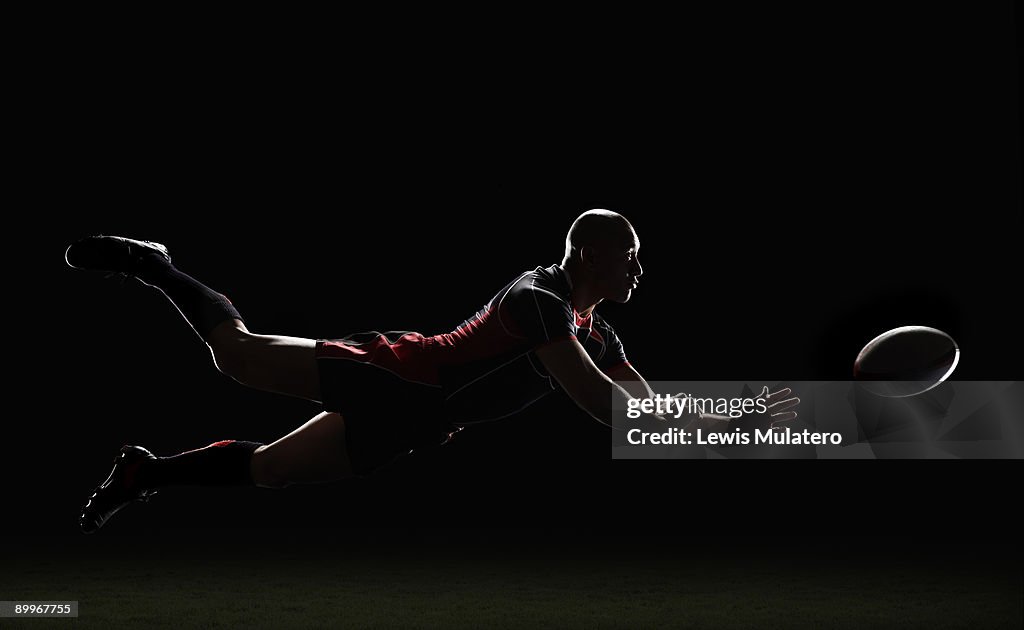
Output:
x=799 y=182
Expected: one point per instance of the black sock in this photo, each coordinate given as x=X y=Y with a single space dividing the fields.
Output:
x=224 y=463
x=201 y=306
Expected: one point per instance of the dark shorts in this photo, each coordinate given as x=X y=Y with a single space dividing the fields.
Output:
x=386 y=416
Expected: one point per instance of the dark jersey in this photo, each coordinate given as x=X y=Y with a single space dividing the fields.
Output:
x=486 y=367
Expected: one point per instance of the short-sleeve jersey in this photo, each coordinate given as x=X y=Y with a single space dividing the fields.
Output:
x=487 y=367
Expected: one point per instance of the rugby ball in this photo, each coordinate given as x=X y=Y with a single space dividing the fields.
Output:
x=906 y=361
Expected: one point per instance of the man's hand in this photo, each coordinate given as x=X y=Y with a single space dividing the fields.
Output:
x=778 y=404
x=778 y=410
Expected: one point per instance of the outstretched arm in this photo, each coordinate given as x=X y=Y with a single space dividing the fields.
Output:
x=627 y=376
x=592 y=389
x=629 y=379
x=779 y=408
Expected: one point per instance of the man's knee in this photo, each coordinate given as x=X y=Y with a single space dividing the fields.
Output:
x=229 y=348
x=265 y=471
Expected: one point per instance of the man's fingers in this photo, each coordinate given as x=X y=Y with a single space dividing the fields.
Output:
x=778 y=395
x=785 y=416
x=783 y=405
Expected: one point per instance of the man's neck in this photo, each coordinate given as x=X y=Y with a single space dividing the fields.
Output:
x=581 y=298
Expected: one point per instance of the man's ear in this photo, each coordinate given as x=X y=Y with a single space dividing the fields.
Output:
x=588 y=257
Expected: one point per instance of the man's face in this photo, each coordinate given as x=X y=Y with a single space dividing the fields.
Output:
x=618 y=269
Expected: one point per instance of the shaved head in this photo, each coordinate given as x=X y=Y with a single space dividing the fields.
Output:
x=598 y=228
x=601 y=257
